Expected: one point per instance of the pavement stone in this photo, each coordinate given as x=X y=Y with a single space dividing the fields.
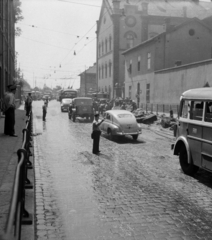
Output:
x=8 y=162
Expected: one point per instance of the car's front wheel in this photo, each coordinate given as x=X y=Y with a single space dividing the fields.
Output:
x=188 y=168
x=110 y=134
x=135 y=137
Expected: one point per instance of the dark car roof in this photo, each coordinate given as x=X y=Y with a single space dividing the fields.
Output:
x=82 y=98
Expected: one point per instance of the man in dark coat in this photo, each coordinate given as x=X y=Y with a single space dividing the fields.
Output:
x=96 y=133
x=9 y=124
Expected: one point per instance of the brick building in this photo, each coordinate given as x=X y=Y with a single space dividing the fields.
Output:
x=124 y=24
x=187 y=43
x=88 y=81
x=7 y=44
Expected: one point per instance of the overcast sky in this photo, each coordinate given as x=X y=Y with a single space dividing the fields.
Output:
x=60 y=29
x=52 y=30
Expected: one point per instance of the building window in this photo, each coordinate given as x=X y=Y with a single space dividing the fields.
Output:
x=139 y=63
x=106 y=45
x=110 y=68
x=130 y=67
x=99 y=49
x=130 y=92
x=102 y=47
x=102 y=71
x=130 y=41
x=99 y=72
x=149 y=61
x=110 y=43
x=148 y=93
x=105 y=70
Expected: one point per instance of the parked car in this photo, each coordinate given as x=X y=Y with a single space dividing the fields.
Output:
x=194 y=131
x=65 y=103
x=120 y=123
x=45 y=97
x=81 y=107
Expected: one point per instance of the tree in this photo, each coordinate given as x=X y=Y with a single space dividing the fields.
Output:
x=18 y=16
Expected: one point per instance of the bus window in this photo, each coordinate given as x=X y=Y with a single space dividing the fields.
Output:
x=196 y=110
x=208 y=112
x=185 y=109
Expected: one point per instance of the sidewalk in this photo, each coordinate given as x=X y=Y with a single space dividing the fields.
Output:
x=8 y=161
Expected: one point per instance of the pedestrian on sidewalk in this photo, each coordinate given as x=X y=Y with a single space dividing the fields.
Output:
x=9 y=101
x=28 y=104
x=44 y=111
x=96 y=133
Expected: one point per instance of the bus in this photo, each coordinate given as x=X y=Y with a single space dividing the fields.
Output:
x=194 y=130
x=67 y=93
x=100 y=95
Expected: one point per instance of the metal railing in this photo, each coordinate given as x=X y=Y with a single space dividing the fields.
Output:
x=18 y=215
x=160 y=108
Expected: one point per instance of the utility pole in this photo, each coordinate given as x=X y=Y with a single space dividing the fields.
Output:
x=85 y=82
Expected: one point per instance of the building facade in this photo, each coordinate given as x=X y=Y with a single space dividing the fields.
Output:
x=124 y=24
x=182 y=45
x=88 y=81
x=7 y=44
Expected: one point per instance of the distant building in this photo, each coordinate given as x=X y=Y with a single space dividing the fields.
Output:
x=124 y=24
x=185 y=44
x=88 y=81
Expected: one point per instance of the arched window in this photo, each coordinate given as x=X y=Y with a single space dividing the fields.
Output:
x=102 y=47
x=102 y=71
x=105 y=70
x=110 y=43
x=99 y=49
x=110 y=68
x=130 y=37
x=106 y=45
x=99 y=72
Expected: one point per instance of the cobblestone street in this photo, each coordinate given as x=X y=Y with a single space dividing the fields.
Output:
x=132 y=190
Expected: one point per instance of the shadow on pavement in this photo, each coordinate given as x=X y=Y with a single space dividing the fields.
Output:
x=204 y=177
x=124 y=140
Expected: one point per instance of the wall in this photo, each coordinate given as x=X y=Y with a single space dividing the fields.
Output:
x=171 y=83
x=180 y=45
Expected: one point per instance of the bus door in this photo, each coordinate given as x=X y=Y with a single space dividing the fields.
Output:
x=207 y=137
x=195 y=130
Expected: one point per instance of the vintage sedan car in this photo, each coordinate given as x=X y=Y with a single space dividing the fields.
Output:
x=65 y=104
x=120 y=123
x=81 y=107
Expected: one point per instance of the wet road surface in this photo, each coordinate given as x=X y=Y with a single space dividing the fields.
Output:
x=133 y=190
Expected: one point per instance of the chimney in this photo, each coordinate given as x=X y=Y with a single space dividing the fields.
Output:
x=169 y=27
x=144 y=6
x=116 y=6
x=185 y=12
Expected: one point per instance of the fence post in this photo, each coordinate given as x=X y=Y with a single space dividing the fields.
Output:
x=26 y=218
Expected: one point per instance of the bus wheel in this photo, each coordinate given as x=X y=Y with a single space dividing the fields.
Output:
x=188 y=168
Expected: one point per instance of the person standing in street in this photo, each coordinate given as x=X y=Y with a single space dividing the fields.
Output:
x=9 y=124
x=44 y=111
x=96 y=133
x=28 y=104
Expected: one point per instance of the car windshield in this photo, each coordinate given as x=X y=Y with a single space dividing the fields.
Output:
x=124 y=115
x=83 y=101
x=67 y=100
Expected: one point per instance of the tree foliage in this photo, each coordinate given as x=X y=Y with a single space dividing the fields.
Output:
x=18 y=16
